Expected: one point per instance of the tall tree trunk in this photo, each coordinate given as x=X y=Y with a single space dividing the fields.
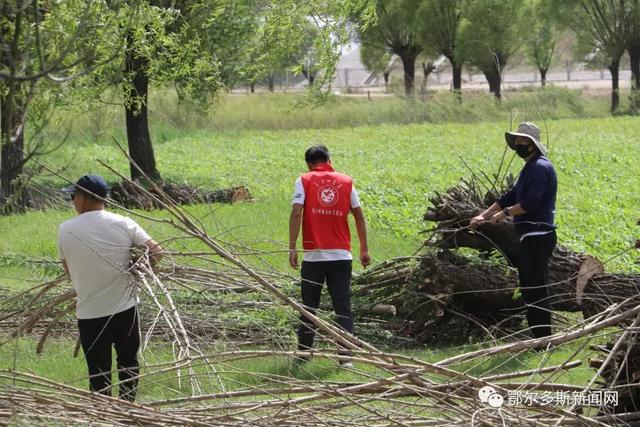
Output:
x=634 y=59
x=271 y=82
x=386 y=80
x=427 y=68
x=456 y=71
x=12 y=152
x=543 y=76
x=409 y=67
x=614 y=67
x=495 y=83
x=252 y=87
x=136 y=112
x=311 y=78
x=13 y=105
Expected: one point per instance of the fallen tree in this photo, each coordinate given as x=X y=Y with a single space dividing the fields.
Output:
x=131 y=195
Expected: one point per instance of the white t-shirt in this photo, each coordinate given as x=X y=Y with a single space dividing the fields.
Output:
x=96 y=246
x=324 y=254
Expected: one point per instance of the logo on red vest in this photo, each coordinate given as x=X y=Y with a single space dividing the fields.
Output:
x=328 y=195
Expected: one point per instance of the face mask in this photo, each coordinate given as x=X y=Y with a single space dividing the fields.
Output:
x=523 y=150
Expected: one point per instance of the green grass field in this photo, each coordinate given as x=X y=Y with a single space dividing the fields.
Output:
x=395 y=167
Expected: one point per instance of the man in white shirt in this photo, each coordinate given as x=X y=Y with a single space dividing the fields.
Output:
x=95 y=249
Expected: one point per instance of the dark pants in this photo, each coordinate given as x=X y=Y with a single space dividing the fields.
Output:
x=533 y=271
x=337 y=274
x=97 y=336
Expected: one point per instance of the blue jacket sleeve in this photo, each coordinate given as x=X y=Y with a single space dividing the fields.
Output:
x=534 y=189
x=508 y=198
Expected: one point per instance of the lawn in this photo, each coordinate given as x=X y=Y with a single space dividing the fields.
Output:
x=395 y=167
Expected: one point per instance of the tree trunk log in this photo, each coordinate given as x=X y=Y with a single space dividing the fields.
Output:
x=129 y=196
x=457 y=76
x=447 y=294
x=543 y=77
x=570 y=273
x=614 y=69
x=12 y=152
x=495 y=83
x=136 y=112
x=409 y=67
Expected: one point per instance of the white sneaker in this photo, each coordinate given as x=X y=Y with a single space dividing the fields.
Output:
x=346 y=364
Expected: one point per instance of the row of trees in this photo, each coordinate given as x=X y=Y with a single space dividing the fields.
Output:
x=485 y=34
x=54 y=53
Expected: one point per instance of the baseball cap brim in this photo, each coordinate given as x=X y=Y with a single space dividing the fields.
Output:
x=69 y=189
x=510 y=137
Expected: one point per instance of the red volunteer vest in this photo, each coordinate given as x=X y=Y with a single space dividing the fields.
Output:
x=327 y=204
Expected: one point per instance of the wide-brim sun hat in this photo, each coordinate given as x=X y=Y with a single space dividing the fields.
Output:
x=527 y=130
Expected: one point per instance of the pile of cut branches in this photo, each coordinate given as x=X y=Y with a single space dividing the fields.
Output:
x=444 y=294
x=219 y=384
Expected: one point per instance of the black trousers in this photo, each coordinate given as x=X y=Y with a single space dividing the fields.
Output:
x=533 y=272
x=97 y=336
x=337 y=275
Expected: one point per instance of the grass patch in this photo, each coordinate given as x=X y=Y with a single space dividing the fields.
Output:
x=396 y=168
x=170 y=117
x=57 y=364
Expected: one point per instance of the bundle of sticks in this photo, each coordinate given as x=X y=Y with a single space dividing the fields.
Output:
x=48 y=309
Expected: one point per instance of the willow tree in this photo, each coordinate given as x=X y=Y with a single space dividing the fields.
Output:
x=440 y=29
x=490 y=33
x=42 y=46
x=542 y=37
x=599 y=23
x=395 y=30
x=377 y=60
x=206 y=46
x=194 y=46
x=631 y=19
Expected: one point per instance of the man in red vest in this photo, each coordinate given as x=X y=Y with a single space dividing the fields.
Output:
x=322 y=201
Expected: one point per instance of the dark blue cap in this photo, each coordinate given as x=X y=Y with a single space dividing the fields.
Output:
x=93 y=184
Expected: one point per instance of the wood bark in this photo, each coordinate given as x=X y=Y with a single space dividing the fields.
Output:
x=409 y=68
x=614 y=69
x=427 y=69
x=622 y=373
x=129 y=196
x=137 y=116
x=456 y=70
x=12 y=152
x=543 y=76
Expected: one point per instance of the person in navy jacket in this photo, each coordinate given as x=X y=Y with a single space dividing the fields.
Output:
x=531 y=203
